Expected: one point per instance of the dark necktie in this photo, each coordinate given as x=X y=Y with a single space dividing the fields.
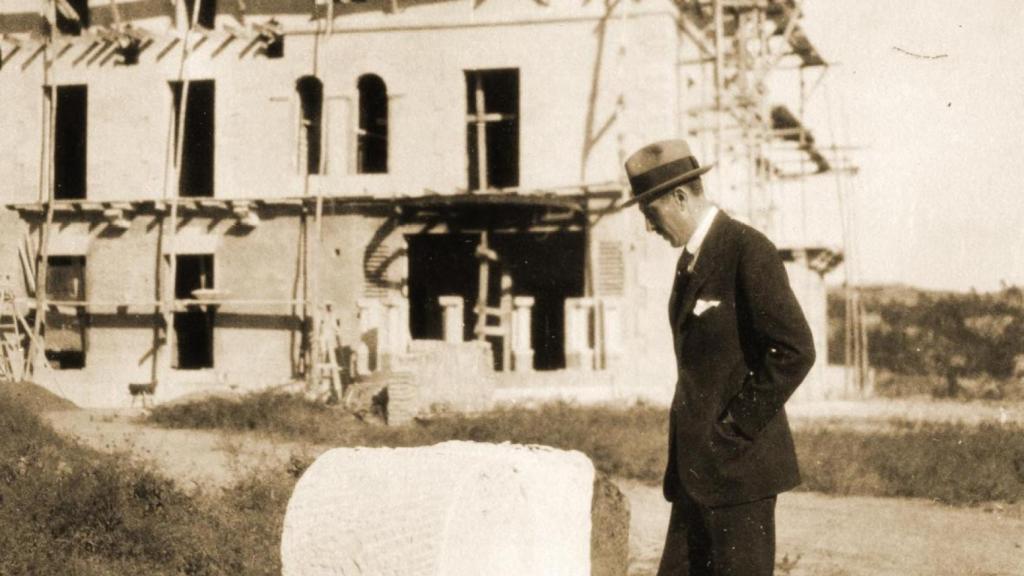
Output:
x=682 y=277
x=683 y=268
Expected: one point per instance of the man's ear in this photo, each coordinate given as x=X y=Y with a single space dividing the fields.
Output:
x=679 y=193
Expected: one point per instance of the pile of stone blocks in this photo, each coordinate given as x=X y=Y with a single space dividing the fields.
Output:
x=454 y=509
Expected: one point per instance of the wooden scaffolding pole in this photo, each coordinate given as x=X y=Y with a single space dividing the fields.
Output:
x=171 y=191
x=719 y=93
x=314 y=262
x=47 y=183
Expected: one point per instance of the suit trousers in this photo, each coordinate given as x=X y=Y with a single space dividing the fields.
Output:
x=736 y=540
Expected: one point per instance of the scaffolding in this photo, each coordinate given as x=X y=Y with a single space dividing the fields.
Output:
x=128 y=41
x=739 y=45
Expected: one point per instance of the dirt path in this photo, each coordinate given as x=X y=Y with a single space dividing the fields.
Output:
x=859 y=536
x=853 y=536
x=199 y=459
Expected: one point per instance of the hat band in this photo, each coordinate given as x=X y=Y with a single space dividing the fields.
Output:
x=660 y=174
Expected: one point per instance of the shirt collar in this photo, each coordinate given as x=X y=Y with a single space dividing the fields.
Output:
x=693 y=246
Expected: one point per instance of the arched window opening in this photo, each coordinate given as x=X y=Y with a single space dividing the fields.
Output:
x=372 y=155
x=311 y=96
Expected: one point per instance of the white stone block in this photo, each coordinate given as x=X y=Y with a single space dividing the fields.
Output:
x=453 y=509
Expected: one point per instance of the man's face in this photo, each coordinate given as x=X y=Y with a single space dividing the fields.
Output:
x=668 y=217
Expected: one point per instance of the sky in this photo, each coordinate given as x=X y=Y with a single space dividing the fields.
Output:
x=939 y=199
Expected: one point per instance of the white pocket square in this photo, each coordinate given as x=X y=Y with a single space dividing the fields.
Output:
x=703 y=306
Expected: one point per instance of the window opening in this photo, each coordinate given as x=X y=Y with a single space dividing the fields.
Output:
x=492 y=135
x=207 y=12
x=72 y=16
x=193 y=328
x=372 y=156
x=70 y=142
x=311 y=96
x=65 y=336
x=197 y=156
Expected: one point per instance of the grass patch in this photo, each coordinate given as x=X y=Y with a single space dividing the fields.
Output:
x=626 y=443
x=951 y=463
x=34 y=398
x=65 y=509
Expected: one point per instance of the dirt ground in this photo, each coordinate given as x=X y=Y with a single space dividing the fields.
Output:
x=817 y=535
x=858 y=536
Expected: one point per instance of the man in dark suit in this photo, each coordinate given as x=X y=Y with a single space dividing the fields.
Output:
x=742 y=347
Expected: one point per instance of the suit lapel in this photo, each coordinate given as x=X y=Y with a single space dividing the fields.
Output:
x=707 y=262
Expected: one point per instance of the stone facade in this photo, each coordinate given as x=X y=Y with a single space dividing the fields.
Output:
x=593 y=81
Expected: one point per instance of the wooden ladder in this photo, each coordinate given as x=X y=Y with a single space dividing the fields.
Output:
x=13 y=331
x=503 y=313
x=327 y=376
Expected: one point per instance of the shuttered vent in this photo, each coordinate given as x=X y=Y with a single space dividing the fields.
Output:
x=611 y=270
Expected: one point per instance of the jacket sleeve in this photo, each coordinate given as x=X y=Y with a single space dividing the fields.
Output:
x=780 y=332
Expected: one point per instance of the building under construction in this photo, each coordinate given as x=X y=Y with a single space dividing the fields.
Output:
x=205 y=194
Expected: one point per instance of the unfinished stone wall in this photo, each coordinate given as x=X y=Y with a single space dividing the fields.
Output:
x=451 y=375
x=457 y=508
x=433 y=377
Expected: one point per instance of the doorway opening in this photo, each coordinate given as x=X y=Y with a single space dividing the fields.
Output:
x=547 y=266
x=441 y=265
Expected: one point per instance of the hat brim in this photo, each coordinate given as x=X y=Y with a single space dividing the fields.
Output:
x=666 y=186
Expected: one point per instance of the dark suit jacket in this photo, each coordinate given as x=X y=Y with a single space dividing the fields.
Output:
x=743 y=357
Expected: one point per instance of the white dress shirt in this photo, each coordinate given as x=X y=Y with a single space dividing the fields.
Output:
x=695 y=242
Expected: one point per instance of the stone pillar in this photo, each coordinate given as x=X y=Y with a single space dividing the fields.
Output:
x=368 y=348
x=396 y=330
x=612 y=333
x=578 y=351
x=454 y=325
x=522 y=347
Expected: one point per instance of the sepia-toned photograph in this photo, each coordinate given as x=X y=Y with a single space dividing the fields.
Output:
x=511 y=288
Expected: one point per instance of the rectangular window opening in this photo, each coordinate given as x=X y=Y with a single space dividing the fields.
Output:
x=72 y=16
x=207 y=12
x=70 y=141
x=492 y=134
x=197 y=156
x=193 y=328
x=311 y=97
x=65 y=335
